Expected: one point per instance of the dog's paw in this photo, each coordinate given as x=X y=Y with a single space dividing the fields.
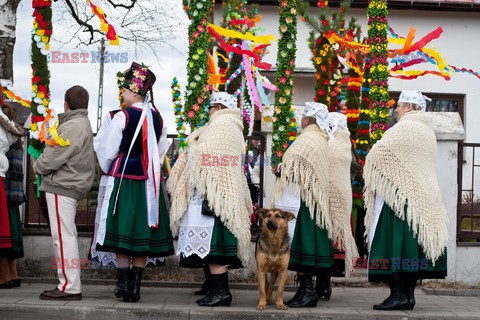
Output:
x=261 y=307
x=281 y=307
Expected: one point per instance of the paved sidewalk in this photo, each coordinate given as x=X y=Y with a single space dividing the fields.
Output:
x=98 y=303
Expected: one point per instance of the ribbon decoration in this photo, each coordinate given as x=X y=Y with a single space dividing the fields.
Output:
x=53 y=125
x=246 y=21
x=106 y=27
x=233 y=76
x=333 y=37
x=213 y=77
x=230 y=48
x=238 y=35
x=425 y=54
x=12 y=96
x=40 y=121
x=433 y=56
x=250 y=83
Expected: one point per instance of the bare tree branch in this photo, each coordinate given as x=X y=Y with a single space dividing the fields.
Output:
x=146 y=24
x=116 y=5
x=81 y=22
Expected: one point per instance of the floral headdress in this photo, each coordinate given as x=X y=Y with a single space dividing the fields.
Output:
x=139 y=79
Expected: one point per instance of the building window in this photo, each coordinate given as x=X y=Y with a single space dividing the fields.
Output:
x=441 y=102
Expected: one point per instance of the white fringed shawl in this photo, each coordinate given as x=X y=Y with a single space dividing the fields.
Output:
x=224 y=186
x=340 y=194
x=401 y=168
x=305 y=163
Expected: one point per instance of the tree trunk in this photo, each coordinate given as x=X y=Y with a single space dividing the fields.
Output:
x=8 y=20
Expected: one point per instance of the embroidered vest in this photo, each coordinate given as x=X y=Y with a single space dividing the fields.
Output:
x=136 y=166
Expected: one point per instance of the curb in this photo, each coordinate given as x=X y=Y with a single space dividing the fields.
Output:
x=39 y=312
x=452 y=292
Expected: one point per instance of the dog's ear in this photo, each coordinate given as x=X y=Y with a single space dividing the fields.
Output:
x=289 y=216
x=262 y=213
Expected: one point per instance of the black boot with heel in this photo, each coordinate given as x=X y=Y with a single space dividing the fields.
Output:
x=397 y=299
x=219 y=295
x=322 y=286
x=306 y=296
x=409 y=287
x=207 y=283
x=122 y=288
x=135 y=283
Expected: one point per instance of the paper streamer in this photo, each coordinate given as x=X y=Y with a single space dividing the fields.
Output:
x=333 y=37
x=230 y=48
x=238 y=35
x=260 y=89
x=250 y=82
x=106 y=27
x=12 y=96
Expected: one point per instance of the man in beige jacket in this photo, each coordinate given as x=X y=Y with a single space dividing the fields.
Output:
x=67 y=176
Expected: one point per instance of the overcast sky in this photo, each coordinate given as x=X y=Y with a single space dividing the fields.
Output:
x=65 y=75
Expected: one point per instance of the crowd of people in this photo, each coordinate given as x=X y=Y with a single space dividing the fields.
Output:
x=208 y=207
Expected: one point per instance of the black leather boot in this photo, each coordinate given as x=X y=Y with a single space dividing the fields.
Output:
x=307 y=297
x=297 y=294
x=207 y=283
x=397 y=299
x=122 y=288
x=219 y=295
x=135 y=282
x=409 y=287
x=323 y=287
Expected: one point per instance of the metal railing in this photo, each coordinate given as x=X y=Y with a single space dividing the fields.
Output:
x=468 y=201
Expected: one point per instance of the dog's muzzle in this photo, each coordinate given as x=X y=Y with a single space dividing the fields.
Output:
x=271 y=225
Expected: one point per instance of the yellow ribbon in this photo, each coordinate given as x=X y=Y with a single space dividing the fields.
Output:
x=238 y=35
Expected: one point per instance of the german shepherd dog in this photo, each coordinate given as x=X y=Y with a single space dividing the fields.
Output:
x=272 y=255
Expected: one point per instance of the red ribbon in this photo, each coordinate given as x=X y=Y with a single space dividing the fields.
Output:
x=248 y=22
x=419 y=75
x=408 y=64
x=422 y=42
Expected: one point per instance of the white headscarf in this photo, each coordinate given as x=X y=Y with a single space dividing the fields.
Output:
x=319 y=111
x=337 y=121
x=224 y=98
x=415 y=97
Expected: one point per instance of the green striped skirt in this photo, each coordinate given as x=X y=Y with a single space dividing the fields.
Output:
x=127 y=231
x=16 y=251
x=395 y=250
x=223 y=250
x=311 y=250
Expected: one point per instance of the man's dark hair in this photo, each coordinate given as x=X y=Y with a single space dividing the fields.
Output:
x=77 y=98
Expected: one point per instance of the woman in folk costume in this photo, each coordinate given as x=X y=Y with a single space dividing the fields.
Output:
x=211 y=202
x=134 y=219
x=340 y=196
x=406 y=219
x=302 y=185
x=11 y=244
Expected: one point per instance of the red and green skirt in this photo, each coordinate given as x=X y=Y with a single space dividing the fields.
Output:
x=15 y=251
